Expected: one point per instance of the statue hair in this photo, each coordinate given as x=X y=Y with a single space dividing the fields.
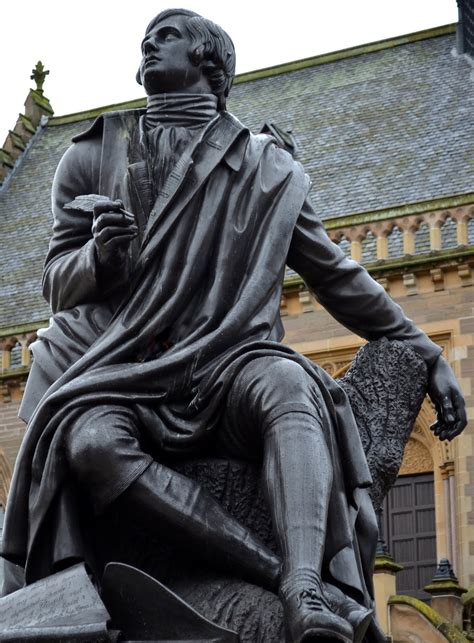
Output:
x=211 y=46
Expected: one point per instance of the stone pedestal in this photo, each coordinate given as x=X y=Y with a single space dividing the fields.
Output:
x=385 y=572
x=446 y=594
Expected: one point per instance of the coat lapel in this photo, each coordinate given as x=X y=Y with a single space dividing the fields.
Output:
x=140 y=193
x=189 y=174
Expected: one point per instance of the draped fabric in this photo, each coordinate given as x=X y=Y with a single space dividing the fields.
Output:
x=198 y=298
x=191 y=283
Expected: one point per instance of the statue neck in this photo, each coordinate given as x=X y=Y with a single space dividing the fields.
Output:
x=180 y=110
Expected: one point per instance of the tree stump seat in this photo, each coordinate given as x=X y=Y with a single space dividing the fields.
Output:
x=386 y=385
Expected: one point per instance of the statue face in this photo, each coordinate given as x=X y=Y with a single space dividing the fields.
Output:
x=166 y=66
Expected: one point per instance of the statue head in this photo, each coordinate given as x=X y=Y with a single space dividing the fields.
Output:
x=184 y=52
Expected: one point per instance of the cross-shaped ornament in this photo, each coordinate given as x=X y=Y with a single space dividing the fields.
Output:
x=38 y=75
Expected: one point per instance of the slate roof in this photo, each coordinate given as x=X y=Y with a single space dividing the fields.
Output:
x=374 y=131
x=377 y=130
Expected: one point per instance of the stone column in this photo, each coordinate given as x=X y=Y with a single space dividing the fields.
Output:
x=435 y=236
x=461 y=232
x=385 y=571
x=382 y=247
x=447 y=473
x=356 y=250
x=408 y=242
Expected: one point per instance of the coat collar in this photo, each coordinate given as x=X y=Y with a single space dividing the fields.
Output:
x=233 y=157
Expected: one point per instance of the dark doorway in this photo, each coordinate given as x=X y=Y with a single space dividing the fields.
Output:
x=410 y=532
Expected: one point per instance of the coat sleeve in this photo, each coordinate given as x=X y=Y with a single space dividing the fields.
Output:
x=347 y=291
x=72 y=275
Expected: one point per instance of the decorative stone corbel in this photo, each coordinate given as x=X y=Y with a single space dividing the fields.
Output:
x=465 y=274
x=409 y=281
x=437 y=277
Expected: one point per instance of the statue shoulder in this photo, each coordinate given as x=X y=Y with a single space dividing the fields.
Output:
x=273 y=155
x=118 y=119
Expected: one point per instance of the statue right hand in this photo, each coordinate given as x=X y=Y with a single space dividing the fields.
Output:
x=113 y=229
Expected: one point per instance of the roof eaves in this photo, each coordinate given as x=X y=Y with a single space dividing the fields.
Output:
x=401 y=264
x=20 y=329
x=94 y=113
x=394 y=212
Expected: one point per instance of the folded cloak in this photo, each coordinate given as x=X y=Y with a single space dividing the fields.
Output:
x=207 y=278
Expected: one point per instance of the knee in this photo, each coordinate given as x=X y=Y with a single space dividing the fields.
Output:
x=279 y=385
x=287 y=381
x=87 y=444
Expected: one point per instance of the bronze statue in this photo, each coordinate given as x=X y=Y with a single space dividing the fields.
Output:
x=165 y=341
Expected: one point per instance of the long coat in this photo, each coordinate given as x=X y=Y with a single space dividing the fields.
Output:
x=205 y=279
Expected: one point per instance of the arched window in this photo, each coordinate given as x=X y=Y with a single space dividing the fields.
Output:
x=15 y=356
x=422 y=239
x=369 y=248
x=395 y=243
x=470 y=231
x=345 y=245
x=448 y=234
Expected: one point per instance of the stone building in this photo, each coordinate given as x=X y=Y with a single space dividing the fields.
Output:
x=386 y=133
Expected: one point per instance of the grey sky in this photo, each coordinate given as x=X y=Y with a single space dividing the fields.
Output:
x=92 y=47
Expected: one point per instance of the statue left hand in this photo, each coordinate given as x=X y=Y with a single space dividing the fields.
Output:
x=446 y=395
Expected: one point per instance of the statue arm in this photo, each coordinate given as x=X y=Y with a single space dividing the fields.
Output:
x=347 y=291
x=72 y=274
x=358 y=302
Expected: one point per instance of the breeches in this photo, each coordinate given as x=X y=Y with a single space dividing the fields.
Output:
x=106 y=454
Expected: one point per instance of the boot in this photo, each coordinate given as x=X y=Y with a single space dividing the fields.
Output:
x=307 y=613
x=356 y=615
x=164 y=496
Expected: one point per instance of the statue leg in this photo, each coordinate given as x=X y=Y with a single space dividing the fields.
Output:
x=281 y=402
x=105 y=455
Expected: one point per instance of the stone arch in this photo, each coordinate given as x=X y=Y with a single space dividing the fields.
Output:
x=417 y=458
x=340 y=372
x=424 y=450
x=441 y=452
x=10 y=342
x=32 y=337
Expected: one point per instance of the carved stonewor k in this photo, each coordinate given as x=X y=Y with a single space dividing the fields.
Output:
x=39 y=74
x=165 y=346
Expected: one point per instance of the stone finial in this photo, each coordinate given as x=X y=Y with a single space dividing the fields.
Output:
x=444 y=581
x=445 y=571
x=38 y=75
